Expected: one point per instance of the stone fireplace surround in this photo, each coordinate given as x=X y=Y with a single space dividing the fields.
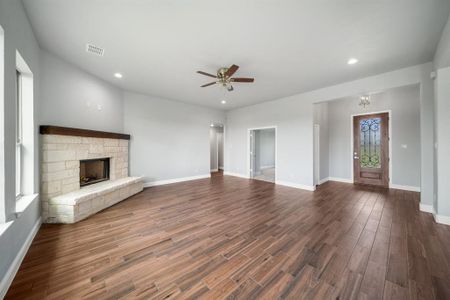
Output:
x=63 y=201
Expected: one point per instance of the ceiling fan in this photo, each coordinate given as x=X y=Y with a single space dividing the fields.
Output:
x=224 y=77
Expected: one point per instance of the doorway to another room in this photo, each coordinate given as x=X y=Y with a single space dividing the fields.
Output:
x=371 y=139
x=216 y=141
x=262 y=154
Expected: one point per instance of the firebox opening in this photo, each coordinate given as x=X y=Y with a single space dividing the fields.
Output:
x=94 y=171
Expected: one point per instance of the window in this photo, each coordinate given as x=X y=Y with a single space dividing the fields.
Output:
x=19 y=135
x=25 y=142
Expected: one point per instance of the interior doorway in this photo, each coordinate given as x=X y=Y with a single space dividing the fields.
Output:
x=216 y=140
x=316 y=154
x=371 y=149
x=262 y=154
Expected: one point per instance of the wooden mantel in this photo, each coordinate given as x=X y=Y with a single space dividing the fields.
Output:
x=48 y=129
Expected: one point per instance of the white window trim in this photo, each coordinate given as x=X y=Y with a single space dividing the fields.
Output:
x=25 y=137
x=19 y=136
x=3 y=204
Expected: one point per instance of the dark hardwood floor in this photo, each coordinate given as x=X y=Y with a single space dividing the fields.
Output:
x=227 y=237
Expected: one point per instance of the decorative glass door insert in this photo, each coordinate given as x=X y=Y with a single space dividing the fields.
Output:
x=370 y=148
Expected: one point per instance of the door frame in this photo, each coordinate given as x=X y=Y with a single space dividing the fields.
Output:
x=316 y=154
x=217 y=148
x=389 y=112
x=223 y=150
x=249 y=130
x=215 y=168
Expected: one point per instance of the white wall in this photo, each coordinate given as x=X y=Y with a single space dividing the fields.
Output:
x=321 y=119
x=294 y=118
x=442 y=56
x=403 y=103
x=18 y=36
x=256 y=155
x=169 y=140
x=73 y=98
x=442 y=204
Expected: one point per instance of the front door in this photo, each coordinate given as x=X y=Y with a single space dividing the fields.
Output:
x=371 y=149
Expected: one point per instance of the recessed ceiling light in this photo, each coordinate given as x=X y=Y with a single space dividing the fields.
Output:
x=118 y=75
x=352 y=61
x=212 y=125
x=223 y=101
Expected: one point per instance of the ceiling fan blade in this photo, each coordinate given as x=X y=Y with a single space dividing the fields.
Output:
x=206 y=74
x=242 y=79
x=208 y=84
x=231 y=70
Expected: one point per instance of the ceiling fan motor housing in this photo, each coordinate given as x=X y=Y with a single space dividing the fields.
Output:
x=221 y=72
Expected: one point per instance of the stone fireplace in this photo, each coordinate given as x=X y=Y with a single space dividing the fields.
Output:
x=82 y=172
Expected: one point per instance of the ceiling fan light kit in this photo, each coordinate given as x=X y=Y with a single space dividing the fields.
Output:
x=224 y=77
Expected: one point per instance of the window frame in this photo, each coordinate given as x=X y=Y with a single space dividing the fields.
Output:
x=19 y=135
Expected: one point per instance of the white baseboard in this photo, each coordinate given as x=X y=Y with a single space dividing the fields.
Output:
x=12 y=271
x=426 y=208
x=266 y=167
x=169 y=181
x=338 y=179
x=437 y=218
x=296 y=185
x=405 y=187
x=214 y=170
x=442 y=219
x=235 y=174
x=392 y=186
x=323 y=180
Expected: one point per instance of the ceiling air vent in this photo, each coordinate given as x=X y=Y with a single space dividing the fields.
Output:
x=95 y=50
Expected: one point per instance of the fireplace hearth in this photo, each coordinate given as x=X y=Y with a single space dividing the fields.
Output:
x=93 y=171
